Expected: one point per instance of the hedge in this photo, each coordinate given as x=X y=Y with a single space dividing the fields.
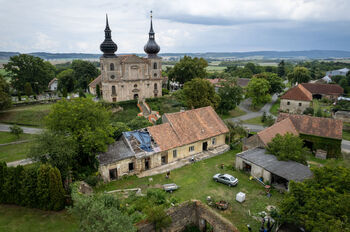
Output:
x=332 y=146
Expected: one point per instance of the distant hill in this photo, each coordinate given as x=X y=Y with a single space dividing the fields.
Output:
x=311 y=54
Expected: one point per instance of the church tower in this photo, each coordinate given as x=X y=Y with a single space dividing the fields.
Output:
x=152 y=49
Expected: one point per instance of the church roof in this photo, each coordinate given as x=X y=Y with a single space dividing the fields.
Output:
x=108 y=47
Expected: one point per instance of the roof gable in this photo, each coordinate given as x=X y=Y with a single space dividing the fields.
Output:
x=298 y=93
x=96 y=81
x=322 y=127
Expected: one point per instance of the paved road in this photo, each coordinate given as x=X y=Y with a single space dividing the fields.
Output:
x=345 y=146
x=27 y=130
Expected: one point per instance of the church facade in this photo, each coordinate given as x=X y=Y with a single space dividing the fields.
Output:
x=128 y=77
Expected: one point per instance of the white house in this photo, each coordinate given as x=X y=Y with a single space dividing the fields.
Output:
x=53 y=84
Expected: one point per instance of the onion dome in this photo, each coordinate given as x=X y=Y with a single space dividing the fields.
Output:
x=151 y=47
x=108 y=47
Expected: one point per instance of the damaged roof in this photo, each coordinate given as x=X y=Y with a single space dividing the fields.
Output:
x=119 y=150
x=289 y=170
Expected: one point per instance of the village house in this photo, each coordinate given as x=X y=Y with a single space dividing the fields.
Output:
x=53 y=84
x=183 y=135
x=269 y=169
x=339 y=72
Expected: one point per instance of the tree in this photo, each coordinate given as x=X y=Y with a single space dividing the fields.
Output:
x=276 y=83
x=158 y=217
x=57 y=197
x=28 y=89
x=100 y=213
x=87 y=123
x=299 y=75
x=199 y=93
x=43 y=187
x=281 y=70
x=138 y=123
x=321 y=203
x=187 y=69
x=258 y=91
x=12 y=185
x=29 y=187
x=236 y=131
x=16 y=130
x=34 y=70
x=231 y=95
x=84 y=73
x=119 y=128
x=98 y=91
x=66 y=80
x=288 y=147
x=5 y=99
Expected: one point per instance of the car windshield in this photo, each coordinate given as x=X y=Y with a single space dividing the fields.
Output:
x=232 y=179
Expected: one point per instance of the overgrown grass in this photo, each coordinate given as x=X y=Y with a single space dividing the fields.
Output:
x=254 y=121
x=7 y=137
x=346 y=135
x=196 y=182
x=32 y=115
x=15 y=218
x=9 y=153
x=275 y=107
x=129 y=112
x=233 y=113
x=165 y=104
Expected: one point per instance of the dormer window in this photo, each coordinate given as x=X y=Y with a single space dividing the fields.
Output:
x=111 y=67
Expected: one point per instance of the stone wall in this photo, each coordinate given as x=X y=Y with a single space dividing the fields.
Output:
x=344 y=116
x=294 y=106
x=193 y=212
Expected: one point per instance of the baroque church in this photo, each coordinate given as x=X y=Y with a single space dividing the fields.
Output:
x=128 y=77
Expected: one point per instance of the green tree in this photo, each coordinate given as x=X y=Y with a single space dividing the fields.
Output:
x=12 y=185
x=137 y=123
x=28 y=89
x=242 y=73
x=16 y=130
x=281 y=70
x=66 y=80
x=276 y=83
x=288 y=147
x=236 y=131
x=258 y=90
x=56 y=190
x=84 y=73
x=34 y=70
x=188 y=68
x=100 y=213
x=119 y=128
x=98 y=91
x=321 y=203
x=29 y=187
x=85 y=122
x=199 y=93
x=3 y=171
x=299 y=75
x=5 y=98
x=231 y=95
x=158 y=217
x=43 y=187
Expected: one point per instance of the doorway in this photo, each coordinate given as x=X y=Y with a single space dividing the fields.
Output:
x=164 y=159
x=147 y=162
x=113 y=174
x=136 y=96
x=205 y=146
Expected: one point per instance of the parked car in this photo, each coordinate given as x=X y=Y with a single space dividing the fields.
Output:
x=226 y=179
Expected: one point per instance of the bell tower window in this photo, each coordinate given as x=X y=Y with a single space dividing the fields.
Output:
x=111 y=67
x=155 y=86
x=154 y=65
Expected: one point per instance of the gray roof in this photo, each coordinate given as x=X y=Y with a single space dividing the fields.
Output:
x=290 y=170
x=119 y=150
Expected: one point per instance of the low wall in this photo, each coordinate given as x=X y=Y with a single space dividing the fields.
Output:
x=192 y=212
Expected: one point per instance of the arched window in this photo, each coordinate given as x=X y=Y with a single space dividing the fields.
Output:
x=154 y=65
x=111 y=66
x=135 y=86
x=155 y=86
x=113 y=90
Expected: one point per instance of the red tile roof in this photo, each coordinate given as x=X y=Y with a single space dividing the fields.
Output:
x=164 y=136
x=322 y=127
x=328 y=89
x=282 y=127
x=298 y=93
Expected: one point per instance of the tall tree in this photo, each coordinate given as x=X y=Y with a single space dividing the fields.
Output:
x=84 y=73
x=188 y=68
x=299 y=75
x=231 y=95
x=5 y=99
x=281 y=70
x=66 y=80
x=25 y=68
x=275 y=82
x=28 y=89
x=199 y=93
x=258 y=90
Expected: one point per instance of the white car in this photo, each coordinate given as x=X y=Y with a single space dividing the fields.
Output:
x=226 y=179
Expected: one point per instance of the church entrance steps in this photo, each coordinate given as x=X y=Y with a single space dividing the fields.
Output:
x=182 y=162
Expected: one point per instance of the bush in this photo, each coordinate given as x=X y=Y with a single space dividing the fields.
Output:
x=16 y=130
x=165 y=91
x=92 y=180
x=309 y=111
x=158 y=196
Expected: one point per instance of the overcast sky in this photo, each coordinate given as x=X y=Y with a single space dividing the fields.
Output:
x=180 y=25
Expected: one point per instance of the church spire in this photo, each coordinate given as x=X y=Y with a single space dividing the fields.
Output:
x=151 y=47
x=108 y=47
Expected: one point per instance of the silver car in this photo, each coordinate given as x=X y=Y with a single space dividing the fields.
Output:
x=226 y=179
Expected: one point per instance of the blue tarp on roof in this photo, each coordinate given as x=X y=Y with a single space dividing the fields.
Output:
x=143 y=137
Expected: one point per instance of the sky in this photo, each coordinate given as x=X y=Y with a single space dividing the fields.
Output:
x=180 y=25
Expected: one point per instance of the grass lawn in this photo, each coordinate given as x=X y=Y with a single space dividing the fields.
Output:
x=196 y=182
x=15 y=218
x=275 y=107
x=129 y=112
x=7 y=137
x=234 y=113
x=254 y=121
x=32 y=115
x=14 y=152
x=165 y=104
x=346 y=135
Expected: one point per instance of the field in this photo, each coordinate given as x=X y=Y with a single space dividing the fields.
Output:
x=196 y=182
x=32 y=115
x=7 y=137
x=15 y=218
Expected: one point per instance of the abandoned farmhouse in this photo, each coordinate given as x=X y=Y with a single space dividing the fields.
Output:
x=182 y=135
x=127 y=77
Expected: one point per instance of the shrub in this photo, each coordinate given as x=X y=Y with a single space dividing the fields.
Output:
x=165 y=91
x=158 y=196
x=16 y=130
x=92 y=180
x=309 y=111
